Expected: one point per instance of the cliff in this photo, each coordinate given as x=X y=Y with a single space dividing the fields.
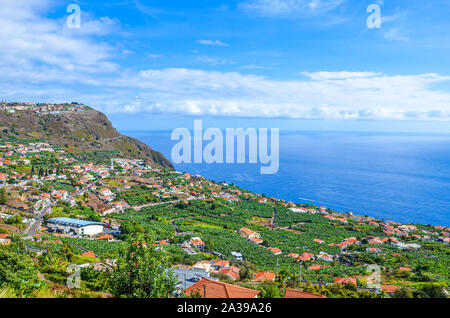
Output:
x=77 y=132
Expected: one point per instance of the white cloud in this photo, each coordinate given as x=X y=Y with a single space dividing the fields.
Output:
x=212 y=60
x=275 y=8
x=42 y=60
x=334 y=95
x=395 y=34
x=37 y=43
x=338 y=75
x=212 y=42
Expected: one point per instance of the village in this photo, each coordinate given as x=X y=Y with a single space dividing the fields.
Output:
x=216 y=234
x=41 y=108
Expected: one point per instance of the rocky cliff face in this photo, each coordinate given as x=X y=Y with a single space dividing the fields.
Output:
x=77 y=132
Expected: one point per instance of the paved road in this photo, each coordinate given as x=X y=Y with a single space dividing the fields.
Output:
x=34 y=227
x=274 y=217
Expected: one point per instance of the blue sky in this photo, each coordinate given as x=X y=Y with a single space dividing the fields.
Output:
x=173 y=60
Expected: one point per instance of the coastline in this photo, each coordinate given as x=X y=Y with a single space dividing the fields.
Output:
x=253 y=182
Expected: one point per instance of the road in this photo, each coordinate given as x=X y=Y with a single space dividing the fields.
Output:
x=274 y=217
x=34 y=226
x=33 y=229
x=138 y=208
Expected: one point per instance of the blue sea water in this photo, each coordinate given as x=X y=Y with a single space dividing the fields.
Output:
x=399 y=177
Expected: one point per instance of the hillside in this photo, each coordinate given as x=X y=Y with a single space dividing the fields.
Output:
x=77 y=132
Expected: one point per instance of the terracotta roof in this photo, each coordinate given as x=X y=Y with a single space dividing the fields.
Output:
x=221 y=263
x=263 y=276
x=246 y=231
x=274 y=250
x=390 y=289
x=104 y=237
x=345 y=280
x=306 y=256
x=231 y=271
x=89 y=254
x=292 y=293
x=216 y=289
x=318 y=266
x=256 y=240
x=197 y=242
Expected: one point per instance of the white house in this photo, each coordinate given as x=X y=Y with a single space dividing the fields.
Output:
x=79 y=227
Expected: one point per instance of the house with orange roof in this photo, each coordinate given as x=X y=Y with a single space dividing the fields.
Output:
x=345 y=280
x=306 y=257
x=231 y=272
x=292 y=293
x=249 y=234
x=104 y=237
x=389 y=289
x=208 y=288
x=313 y=267
x=275 y=250
x=256 y=240
x=318 y=241
x=89 y=254
x=325 y=257
x=263 y=277
x=198 y=243
x=219 y=264
x=294 y=255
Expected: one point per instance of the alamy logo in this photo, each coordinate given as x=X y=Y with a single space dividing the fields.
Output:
x=74 y=20
x=73 y=280
x=374 y=20
x=235 y=139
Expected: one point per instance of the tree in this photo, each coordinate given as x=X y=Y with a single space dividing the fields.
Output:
x=3 y=197
x=14 y=220
x=142 y=271
x=433 y=291
x=18 y=272
x=270 y=290
x=403 y=293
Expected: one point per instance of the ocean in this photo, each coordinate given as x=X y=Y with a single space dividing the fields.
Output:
x=399 y=177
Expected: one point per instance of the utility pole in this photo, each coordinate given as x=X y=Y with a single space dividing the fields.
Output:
x=300 y=275
x=277 y=268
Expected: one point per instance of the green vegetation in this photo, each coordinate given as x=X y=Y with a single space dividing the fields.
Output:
x=142 y=272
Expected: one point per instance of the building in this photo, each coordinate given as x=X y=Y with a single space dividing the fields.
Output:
x=231 y=272
x=208 y=288
x=275 y=250
x=389 y=289
x=188 y=277
x=345 y=280
x=237 y=255
x=263 y=277
x=197 y=242
x=79 y=227
x=219 y=264
x=4 y=242
x=203 y=266
x=249 y=234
